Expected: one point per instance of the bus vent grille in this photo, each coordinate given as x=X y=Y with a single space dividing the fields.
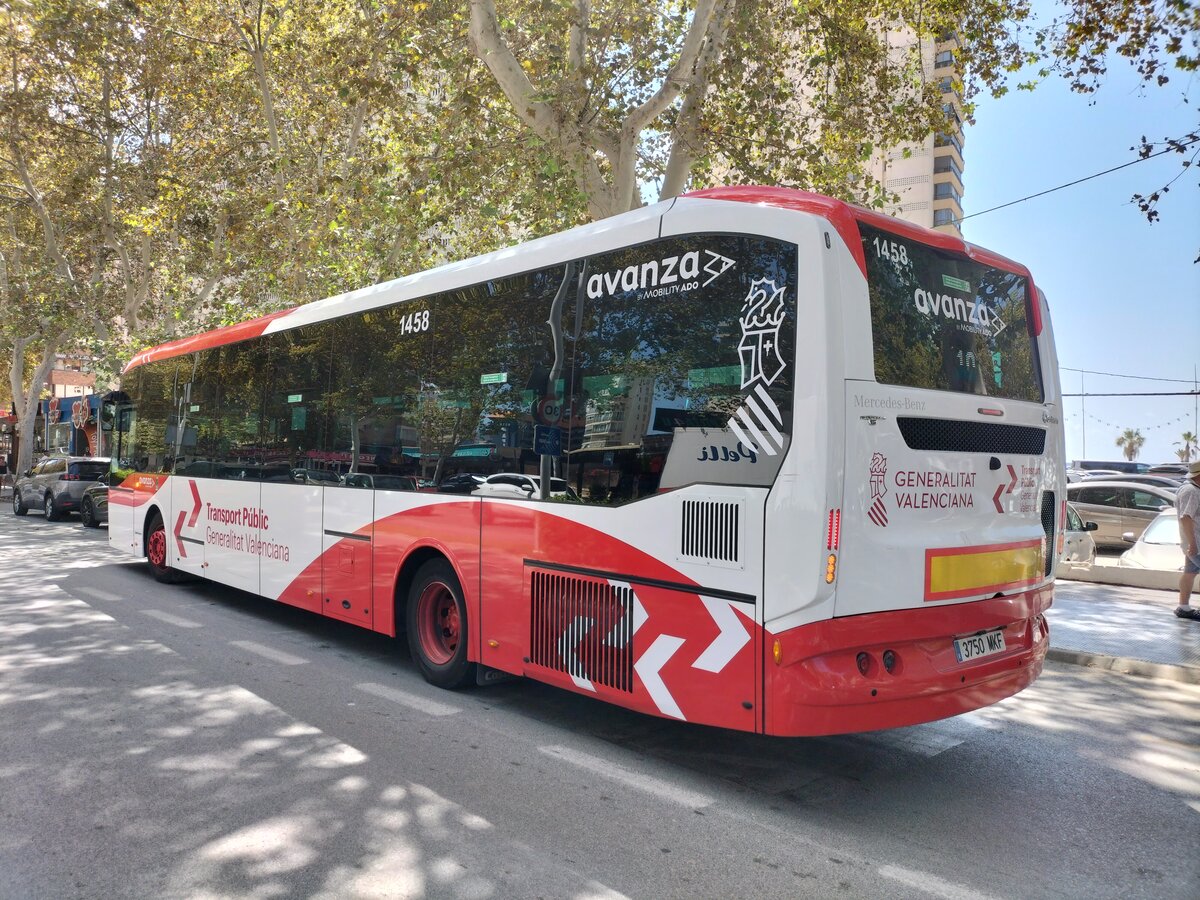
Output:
x=955 y=435
x=1048 y=513
x=711 y=531
x=584 y=627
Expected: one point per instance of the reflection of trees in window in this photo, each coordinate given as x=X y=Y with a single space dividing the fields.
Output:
x=496 y=330
x=656 y=357
x=146 y=448
x=295 y=414
x=375 y=385
x=985 y=351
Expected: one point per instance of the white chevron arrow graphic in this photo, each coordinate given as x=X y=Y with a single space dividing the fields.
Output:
x=725 y=646
x=570 y=639
x=648 y=667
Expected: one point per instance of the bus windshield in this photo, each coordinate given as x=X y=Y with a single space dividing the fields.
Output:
x=945 y=322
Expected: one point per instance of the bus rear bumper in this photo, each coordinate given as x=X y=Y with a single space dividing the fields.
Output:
x=813 y=683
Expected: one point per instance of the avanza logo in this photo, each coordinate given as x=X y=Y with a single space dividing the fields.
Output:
x=977 y=317
x=673 y=272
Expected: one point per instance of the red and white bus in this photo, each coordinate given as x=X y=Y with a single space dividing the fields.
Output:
x=751 y=458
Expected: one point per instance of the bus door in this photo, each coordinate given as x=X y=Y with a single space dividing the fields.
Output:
x=346 y=548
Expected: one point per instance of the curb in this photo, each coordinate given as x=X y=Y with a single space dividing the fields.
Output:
x=1125 y=665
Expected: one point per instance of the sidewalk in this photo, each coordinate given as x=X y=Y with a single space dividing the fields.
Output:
x=1124 y=629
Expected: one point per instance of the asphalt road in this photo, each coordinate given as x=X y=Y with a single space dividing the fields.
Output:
x=193 y=741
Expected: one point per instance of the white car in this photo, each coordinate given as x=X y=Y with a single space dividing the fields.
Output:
x=522 y=487
x=1078 y=549
x=1158 y=547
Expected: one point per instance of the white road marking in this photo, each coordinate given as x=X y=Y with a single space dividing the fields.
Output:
x=96 y=592
x=178 y=621
x=270 y=653
x=609 y=769
x=931 y=884
x=413 y=701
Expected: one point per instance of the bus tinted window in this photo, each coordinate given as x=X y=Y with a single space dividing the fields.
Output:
x=944 y=322
x=684 y=365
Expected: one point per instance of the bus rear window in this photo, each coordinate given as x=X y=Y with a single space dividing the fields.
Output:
x=945 y=322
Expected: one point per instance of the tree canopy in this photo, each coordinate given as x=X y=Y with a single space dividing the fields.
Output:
x=167 y=166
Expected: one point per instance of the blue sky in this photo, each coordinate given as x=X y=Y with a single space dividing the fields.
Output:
x=1124 y=294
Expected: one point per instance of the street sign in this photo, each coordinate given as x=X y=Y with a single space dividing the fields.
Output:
x=494 y=378
x=548 y=411
x=547 y=440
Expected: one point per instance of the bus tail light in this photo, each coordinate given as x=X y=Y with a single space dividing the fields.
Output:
x=831 y=568
x=863 y=661
x=889 y=661
x=833 y=531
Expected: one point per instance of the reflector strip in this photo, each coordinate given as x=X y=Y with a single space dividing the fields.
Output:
x=829 y=532
x=964 y=571
x=837 y=528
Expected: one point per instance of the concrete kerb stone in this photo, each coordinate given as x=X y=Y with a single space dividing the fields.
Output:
x=1152 y=579
x=1125 y=665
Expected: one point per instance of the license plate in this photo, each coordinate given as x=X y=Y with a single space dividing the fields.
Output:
x=979 y=645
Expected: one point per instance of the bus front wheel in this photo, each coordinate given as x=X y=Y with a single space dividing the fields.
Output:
x=156 y=551
x=436 y=615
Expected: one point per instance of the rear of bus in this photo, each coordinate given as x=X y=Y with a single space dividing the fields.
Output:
x=945 y=511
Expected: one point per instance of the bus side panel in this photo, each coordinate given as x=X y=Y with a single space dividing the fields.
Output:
x=570 y=603
x=291 y=544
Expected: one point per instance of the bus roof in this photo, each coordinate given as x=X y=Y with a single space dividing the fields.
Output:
x=611 y=233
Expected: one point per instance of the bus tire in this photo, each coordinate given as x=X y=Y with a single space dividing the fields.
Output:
x=436 y=616
x=156 y=551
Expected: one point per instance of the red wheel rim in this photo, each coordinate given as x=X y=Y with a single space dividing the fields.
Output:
x=438 y=623
x=156 y=548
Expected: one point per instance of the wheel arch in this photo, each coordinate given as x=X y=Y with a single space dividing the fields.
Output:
x=416 y=557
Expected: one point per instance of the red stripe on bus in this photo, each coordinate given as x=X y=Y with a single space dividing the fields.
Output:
x=230 y=334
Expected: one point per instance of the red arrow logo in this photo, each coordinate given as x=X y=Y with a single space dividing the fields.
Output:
x=196 y=508
x=1011 y=472
x=178 y=540
x=996 y=498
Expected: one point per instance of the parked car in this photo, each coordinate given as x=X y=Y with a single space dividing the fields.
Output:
x=93 y=506
x=380 y=482
x=1157 y=547
x=1078 y=549
x=1162 y=481
x=1177 y=470
x=1087 y=474
x=1111 y=465
x=462 y=483
x=522 y=487
x=56 y=484
x=1118 y=507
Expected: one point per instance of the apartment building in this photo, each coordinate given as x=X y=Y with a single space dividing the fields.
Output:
x=927 y=175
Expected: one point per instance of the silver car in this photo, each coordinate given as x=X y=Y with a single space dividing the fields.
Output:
x=1118 y=507
x=56 y=484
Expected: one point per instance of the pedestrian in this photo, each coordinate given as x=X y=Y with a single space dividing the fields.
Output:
x=1187 y=503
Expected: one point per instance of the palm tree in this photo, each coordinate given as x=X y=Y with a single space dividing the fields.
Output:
x=1130 y=443
x=1189 y=443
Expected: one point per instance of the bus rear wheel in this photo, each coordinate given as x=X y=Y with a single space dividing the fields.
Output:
x=156 y=551
x=436 y=615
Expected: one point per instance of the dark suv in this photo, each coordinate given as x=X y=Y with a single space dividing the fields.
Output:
x=56 y=484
